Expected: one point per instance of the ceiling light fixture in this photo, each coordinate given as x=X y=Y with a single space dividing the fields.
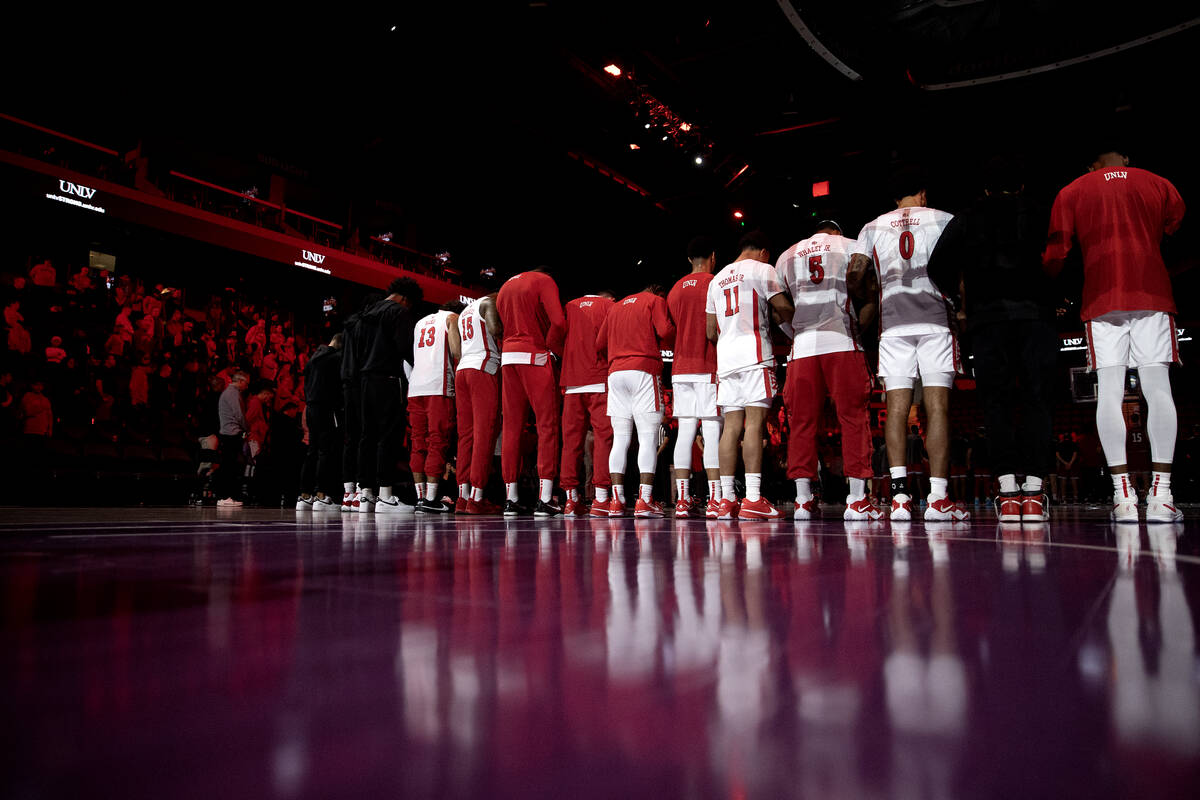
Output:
x=614 y=70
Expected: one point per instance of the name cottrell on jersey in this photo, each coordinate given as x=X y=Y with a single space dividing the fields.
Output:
x=813 y=272
x=432 y=373
x=739 y=296
x=900 y=243
x=479 y=348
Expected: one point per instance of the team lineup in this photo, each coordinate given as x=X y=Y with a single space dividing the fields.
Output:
x=596 y=364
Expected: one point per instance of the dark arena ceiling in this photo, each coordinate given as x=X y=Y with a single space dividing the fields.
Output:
x=494 y=131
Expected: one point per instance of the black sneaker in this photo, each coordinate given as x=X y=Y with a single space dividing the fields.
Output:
x=550 y=509
x=433 y=507
x=511 y=509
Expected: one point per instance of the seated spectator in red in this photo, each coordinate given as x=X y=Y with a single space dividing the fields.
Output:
x=12 y=314
x=35 y=414
x=43 y=274
x=258 y=416
x=82 y=280
x=139 y=383
x=55 y=354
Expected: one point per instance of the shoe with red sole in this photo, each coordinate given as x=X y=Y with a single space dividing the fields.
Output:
x=644 y=509
x=945 y=510
x=600 y=508
x=1035 y=509
x=759 y=509
x=460 y=505
x=1008 y=506
x=616 y=508
x=862 y=509
x=805 y=509
x=728 y=509
x=901 y=508
x=482 y=508
x=574 y=508
x=683 y=508
x=713 y=509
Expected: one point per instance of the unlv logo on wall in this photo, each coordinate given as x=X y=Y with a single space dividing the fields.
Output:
x=315 y=258
x=66 y=187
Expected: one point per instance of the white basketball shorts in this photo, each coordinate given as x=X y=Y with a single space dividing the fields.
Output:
x=695 y=398
x=1131 y=339
x=754 y=387
x=933 y=357
x=634 y=393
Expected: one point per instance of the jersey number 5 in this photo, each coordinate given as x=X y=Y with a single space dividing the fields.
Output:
x=907 y=245
x=816 y=272
x=427 y=338
x=732 y=301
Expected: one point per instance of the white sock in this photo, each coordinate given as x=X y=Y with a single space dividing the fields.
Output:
x=1033 y=484
x=714 y=490
x=431 y=488
x=753 y=485
x=1122 y=490
x=385 y=493
x=464 y=490
x=546 y=490
x=420 y=490
x=683 y=487
x=647 y=491
x=937 y=488
x=349 y=487
x=601 y=494
x=803 y=488
x=1162 y=484
x=727 y=491
x=476 y=493
x=898 y=472
x=1008 y=483
x=510 y=491
x=858 y=490
x=619 y=492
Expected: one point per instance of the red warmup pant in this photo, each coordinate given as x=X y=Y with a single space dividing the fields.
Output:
x=430 y=420
x=844 y=376
x=523 y=386
x=578 y=409
x=477 y=395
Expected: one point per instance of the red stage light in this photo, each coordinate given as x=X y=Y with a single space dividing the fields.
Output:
x=634 y=147
x=738 y=215
x=614 y=70
x=821 y=189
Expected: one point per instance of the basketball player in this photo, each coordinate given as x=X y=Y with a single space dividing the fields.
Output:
x=477 y=395
x=826 y=357
x=694 y=379
x=533 y=322
x=352 y=355
x=387 y=331
x=437 y=347
x=1119 y=215
x=585 y=401
x=915 y=339
x=633 y=337
x=738 y=307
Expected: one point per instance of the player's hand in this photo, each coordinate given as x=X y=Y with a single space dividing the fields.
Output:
x=254 y=448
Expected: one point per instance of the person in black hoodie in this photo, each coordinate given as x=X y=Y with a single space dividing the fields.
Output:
x=352 y=352
x=387 y=343
x=323 y=408
x=993 y=252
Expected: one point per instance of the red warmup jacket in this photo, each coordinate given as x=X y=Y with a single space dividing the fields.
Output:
x=531 y=314
x=582 y=365
x=635 y=333
x=1119 y=216
x=694 y=353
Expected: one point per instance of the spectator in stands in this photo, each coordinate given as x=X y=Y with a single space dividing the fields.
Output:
x=55 y=354
x=7 y=406
x=43 y=274
x=232 y=432
x=258 y=417
x=82 y=280
x=37 y=421
x=1066 y=459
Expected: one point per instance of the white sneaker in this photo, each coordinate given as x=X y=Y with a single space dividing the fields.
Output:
x=304 y=503
x=229 y=502
x=862 y=509
x=392 y=505
x=366 y=503
x=942 y=509
x=1124 y=510
x=350 y=501
x=324 y=504
x=805 y=509
x=901 y=508
x=1162 y=508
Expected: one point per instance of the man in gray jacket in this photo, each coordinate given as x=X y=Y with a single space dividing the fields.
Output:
x=232 y=432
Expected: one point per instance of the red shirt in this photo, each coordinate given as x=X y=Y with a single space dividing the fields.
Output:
x=1119 y=216
x=634 y=333
x=531 y=315
x=694 y=353
x=582 y=365
x=37 y=418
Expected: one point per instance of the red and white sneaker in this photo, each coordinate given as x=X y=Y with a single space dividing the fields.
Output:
x=806 y=509
x=600 y=508
x=862 y=509
x=1162 y=508
x=1008 y=506
x=1034 y=509
x=482 y=508
x=350 y=501
x=647 y=509
x=1124 y=509
x=901 y=508
x=574 y=508
x=759 y=509
x=945 y=510
x=460 y=505
x=616 y=508
x=713 y=509
x=728 y=509
x=683 y=508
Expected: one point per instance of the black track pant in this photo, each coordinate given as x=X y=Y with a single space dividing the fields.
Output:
x=384 y=419
x=324 y=443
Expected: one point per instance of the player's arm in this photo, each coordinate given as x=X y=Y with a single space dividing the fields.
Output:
x=868 y=303
x=1174 y=210
x=711 y=329
x=783 y=310
x=602 y=338
x=663 y=327
x=453 y=338
x=556 y=335
x=1058 y=239
x=487 y=310
x=856 y=275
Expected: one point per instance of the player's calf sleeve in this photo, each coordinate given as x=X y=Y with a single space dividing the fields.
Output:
x=622 y=436
x=1162 y=423
x=647 y=433
x=711 y=428
x=1110 y=422
x=683 y=445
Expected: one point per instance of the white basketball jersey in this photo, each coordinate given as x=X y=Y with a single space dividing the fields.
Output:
x=813 y=272
x=738 y=295
x=432 y=373
x=479 y=350
x=900 y=243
